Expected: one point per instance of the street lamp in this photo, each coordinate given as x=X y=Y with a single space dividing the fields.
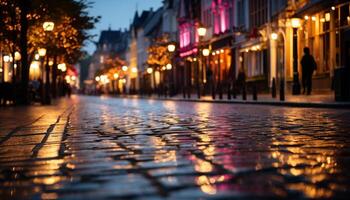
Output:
x=48 y=26
x=295 y=23
x=171 y=48
x=201 y=30
x=205 y=52
x=134 y=70
x=169 y=66
x=42 y=52
x=125 y=68
x=6 y=58
x=115 y=76
x=62 y=67
x=149 y=70
x=274 y=36
x=17 y=56
x=36 y=56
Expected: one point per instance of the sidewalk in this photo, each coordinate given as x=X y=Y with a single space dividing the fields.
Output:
x=325 y=100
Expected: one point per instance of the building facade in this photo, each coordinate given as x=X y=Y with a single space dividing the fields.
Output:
x=111 y=47
x=261 y=39
x=189 y=17
x=138 y=45
x=319 y=25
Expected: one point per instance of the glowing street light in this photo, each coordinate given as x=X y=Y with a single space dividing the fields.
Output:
x=149 y=70
x=171 y=48
x=48 y=26
x=97 y=78
x=115 y=76
x=201 y=31
x=6 y=58
x=296 y=22
x=169 y=66
x=42 y=52
x=17 y=56
x=125 y=68
x=134 y=70
x=274 y=36
x=205 y=52
x=62 y=67
x=34 y=65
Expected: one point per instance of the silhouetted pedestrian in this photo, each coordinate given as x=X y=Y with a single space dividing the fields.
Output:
x=241 y=78
x=308 y=65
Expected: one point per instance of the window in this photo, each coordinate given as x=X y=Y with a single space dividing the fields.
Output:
x=325 y=41
x=344 y=15
x=221 y=13
x=185 y=35
x=277 y=6
x=240 y=13
x=257 y=12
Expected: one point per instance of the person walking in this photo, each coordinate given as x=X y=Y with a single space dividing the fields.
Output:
x=241 y=79
x=308 y=65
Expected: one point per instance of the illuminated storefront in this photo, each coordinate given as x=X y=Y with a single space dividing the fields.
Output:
x=326 y=32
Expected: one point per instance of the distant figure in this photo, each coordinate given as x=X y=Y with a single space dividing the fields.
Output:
x=308 y=65
x=241 y=78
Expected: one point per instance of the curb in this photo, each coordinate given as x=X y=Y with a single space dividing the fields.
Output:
x=345 y=105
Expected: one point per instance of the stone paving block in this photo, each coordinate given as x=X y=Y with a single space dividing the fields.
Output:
x=93 y=148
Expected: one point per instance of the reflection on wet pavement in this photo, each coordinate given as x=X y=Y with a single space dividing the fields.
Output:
x=98 y=148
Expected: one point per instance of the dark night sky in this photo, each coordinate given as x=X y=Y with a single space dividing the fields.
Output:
x=117 y=14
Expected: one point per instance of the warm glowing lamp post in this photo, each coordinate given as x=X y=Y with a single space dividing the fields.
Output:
x=201 y=30
x=42 y=52
x=274 y=36
x=171 y=49
x=15 y=69
x=48 y=26
x=296 y=23
x=152 y=81
x=205 y=53
x=115 y=83
x=125 y=68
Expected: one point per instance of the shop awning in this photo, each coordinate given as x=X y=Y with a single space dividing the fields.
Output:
x=222 y=42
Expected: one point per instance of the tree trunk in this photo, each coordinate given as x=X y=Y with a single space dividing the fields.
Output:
x=23 y=94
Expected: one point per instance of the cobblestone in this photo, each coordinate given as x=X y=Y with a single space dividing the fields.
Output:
x=105 y=148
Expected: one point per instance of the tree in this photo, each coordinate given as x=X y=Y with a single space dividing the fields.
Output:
x=22 y=30
x=158 y=54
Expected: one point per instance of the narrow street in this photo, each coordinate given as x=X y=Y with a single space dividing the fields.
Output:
x=110 y=148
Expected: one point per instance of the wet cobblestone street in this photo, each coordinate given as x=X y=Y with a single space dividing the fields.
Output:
x=110 y=148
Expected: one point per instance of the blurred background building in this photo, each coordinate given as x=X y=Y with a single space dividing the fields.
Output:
x=202 y=46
